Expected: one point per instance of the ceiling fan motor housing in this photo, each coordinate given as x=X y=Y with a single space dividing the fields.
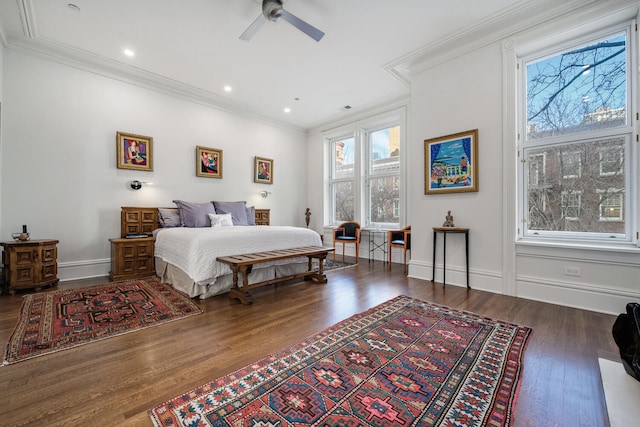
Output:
x=272 y=9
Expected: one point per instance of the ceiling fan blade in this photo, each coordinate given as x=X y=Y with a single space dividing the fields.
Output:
x=303 y=26
x=253 y=28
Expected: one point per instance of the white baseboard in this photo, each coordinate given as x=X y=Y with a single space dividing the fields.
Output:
x=83 y=269
x=594 y=298
x=587 y=297
x=484 y=280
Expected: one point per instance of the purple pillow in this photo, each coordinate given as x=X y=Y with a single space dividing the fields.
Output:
x=238 y=211
x=169 y=218
x=195 y=214
x=251 y=215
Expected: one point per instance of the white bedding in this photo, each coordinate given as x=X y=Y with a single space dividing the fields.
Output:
x=194 y=250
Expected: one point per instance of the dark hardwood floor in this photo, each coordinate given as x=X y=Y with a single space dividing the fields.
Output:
x=115 y=381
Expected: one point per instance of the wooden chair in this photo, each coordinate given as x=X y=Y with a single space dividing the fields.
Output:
x=347 y=232
x=400 y=239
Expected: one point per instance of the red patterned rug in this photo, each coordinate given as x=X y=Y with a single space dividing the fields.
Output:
x=57 y=320
x=403 y=363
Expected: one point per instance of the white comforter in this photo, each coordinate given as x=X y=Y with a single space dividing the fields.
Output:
x=194 y=250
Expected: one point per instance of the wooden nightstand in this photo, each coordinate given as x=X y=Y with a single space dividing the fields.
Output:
x=132 y=258
x=30 y=264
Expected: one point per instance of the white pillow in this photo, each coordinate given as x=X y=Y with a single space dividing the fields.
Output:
x=223 y=220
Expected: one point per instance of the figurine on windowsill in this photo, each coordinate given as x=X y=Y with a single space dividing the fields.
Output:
x=448 y=220
x=307 y=216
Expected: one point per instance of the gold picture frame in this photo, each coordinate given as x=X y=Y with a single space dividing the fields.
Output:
x=134 y=151
x=263 y=170
x=451 y=163
x=208 y=162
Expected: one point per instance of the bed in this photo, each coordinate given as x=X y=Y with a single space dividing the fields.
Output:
x=185 y=257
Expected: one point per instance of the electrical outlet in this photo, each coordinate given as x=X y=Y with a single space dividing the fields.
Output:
x=571 y=271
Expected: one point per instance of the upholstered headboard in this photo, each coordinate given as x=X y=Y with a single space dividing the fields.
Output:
x=143 y=220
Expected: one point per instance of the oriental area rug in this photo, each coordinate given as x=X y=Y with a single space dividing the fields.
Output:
x=61 y=319
x=403 y=363
x=330 y=264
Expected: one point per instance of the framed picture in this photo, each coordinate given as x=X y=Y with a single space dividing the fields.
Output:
x=208 y=162
x=134 y=151
x=263 y=170
x=451 y=163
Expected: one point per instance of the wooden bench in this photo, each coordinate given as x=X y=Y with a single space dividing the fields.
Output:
x=244 y=264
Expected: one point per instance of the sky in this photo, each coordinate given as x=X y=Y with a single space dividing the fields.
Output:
x=379 y=141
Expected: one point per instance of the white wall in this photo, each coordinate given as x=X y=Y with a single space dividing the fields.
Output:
x=456 y=96
x=1 y=69
x=2 y=49
x=58 y=158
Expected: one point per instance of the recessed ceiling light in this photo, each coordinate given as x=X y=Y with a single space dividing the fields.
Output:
x=228 y=88
x=287 y=110
x=129 y=52
x=73 y=7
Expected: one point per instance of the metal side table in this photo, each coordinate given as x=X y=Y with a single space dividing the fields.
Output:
x=376 y=245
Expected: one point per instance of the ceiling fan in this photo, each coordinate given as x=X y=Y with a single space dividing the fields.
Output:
x=272 y=10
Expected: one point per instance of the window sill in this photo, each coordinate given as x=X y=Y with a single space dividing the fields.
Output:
x=588 y=251
x=621 y=247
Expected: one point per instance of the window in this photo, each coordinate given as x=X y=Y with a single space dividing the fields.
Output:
x=383 y=175
x=536 y=169
x=343 y=179
x=364 y=175
x=611 y=161
x=611 y=205
x=571 y=204
x=577 y=133
x=571 y=164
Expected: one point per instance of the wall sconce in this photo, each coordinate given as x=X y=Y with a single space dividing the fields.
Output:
x=265 y=194
x=136 y=185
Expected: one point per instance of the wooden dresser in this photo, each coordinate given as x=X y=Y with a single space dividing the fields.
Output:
x=30 y=264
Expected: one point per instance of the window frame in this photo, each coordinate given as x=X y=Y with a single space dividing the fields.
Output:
x=565 y=206
x=578 y=165
x=334 y=181
x=628 y=132
x=361 y=131
x=371 y=176
x=621 y=157
x=543 y=163
x=620 y=194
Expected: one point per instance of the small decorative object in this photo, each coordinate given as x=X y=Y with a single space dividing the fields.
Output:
x=208 y=162
x=448 y=220
x=263 y=170
x=451 y=163
x=20 y=237
x=134 y=151
x=307 y=216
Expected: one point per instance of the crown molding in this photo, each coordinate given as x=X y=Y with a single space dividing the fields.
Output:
x=515 y=19
x=363 y=112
